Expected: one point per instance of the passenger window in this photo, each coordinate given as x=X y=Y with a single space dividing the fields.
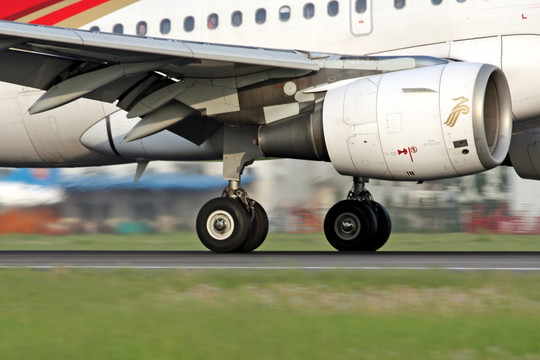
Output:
x=189 y=24
x=142 y=28
x=400 y=4
x=361 y=6
x=236 y=18
x=309 y=11
x=213 y=21
x=165 y=26
x=94 y=29
x=284 y=13
x=118 y=29
x=436 y=2
x=260 y=16
x=333 y=8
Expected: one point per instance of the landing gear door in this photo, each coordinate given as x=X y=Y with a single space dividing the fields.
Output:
x=361 y=17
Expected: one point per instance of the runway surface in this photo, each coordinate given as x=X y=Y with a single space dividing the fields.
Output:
x=512 y=261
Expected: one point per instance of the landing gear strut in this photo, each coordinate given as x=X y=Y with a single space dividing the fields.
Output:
x=232 y=222
x=358 y=223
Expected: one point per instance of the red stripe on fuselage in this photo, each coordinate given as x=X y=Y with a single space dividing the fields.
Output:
x=14 y=10
x=68 y=11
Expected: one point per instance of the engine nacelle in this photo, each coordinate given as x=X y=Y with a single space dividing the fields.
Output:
x=422 y=124
x=525 y=154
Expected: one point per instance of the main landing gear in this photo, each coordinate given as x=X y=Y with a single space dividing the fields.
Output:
x=233 y=222
x=358 y=223
x=236 y=223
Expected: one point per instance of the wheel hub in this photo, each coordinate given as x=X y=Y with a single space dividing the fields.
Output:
x=347 y=226
x=220 y=225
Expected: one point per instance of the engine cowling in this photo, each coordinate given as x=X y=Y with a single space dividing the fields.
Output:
x=525 y=154
x=422 y=124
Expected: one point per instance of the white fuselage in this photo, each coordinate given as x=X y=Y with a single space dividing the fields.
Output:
x=380 y=28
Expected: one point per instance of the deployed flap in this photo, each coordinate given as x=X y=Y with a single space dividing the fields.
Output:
x=159 y=120
x=143 y=75
x=156 y=99
x=78 y=86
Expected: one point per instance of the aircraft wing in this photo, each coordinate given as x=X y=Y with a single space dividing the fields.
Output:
x=164 y=82
x=143 y=74
x=174 y=57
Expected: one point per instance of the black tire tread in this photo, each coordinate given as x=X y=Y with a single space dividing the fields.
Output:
x=367 y=231
x=241 y=230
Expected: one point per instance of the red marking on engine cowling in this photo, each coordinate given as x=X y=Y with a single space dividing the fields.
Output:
x=408 y=151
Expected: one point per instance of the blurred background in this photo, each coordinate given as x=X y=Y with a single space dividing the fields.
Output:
x=296 y=195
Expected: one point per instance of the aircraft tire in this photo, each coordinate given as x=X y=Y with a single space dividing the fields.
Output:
x=350 y=225
x=384 y=226
x=223 y=225
x=259 y=229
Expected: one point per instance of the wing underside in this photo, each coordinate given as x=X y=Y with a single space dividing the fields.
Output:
x=160 y=80
x=168 y=84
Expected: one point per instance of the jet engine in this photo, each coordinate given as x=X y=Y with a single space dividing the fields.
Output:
x=525 y=154
x=429 y=123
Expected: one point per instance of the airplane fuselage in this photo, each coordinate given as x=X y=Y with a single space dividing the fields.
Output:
x=498 y=32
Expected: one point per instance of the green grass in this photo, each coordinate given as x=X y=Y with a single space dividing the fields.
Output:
x=215 y=314
x=180 y=314
x=274 y=242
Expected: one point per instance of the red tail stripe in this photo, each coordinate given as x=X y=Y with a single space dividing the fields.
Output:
x=67 y=12
x=17 y=9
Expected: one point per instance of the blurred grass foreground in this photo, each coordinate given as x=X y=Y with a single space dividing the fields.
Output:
x=186 y=241
x=279 y=314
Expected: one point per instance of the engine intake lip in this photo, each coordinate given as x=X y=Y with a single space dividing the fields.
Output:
x=492 y=116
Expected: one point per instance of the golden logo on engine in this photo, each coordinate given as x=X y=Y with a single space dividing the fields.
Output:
x=459 y=109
